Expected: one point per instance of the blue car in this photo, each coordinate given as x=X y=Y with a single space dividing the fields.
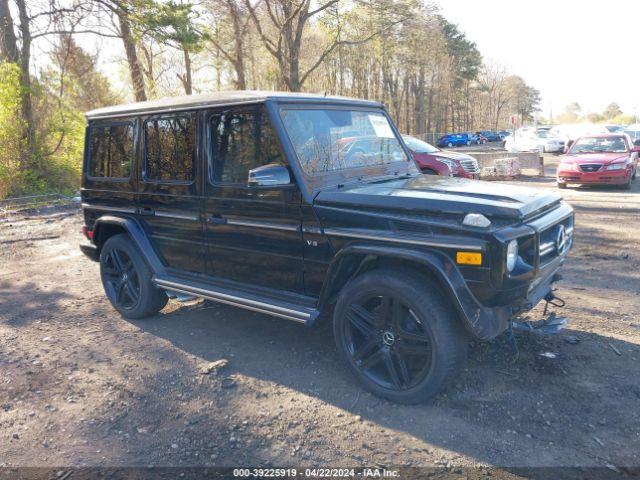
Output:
x=453 y=140
x=490 y=135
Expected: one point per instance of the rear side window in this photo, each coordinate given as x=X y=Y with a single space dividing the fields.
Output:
x=241 y=141
x=110 y=150
x=170 y=148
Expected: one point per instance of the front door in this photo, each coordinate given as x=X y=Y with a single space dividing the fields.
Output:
x=253 y=233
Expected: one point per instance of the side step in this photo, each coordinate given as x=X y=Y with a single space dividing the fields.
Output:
x=238 y=298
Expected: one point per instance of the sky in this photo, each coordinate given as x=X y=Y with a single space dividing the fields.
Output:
x=571 y=50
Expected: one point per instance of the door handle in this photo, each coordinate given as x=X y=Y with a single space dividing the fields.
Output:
x=148 y=212
x=216 y=220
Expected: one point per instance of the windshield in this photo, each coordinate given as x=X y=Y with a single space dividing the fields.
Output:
x=599 y=145
x=418 y=146
x=330 y=140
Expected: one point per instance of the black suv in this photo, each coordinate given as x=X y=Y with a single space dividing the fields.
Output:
x=297 y=205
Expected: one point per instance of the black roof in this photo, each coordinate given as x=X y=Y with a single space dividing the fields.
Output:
x=204 y=100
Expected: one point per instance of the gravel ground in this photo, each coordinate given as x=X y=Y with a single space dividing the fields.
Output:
x=81 y=386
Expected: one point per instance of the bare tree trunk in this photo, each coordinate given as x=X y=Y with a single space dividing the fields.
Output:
x=187 y=80
x=135 y=69
x=8 y=42
x=238 y=32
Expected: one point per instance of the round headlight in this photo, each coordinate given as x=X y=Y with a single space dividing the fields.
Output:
x=512 y=255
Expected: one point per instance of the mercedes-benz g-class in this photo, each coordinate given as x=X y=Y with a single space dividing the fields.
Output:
x=299 y=205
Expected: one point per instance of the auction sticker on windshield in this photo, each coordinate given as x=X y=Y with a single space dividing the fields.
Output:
x=381 y=126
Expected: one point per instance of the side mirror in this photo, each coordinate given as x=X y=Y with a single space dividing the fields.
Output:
x=271 y=175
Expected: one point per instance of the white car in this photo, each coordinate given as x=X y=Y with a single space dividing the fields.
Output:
x=531 y=140
x=572 y=131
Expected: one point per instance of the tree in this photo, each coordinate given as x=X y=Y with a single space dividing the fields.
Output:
x=612 y=111
x=232 y=46
x=174 y=24
x=571 y=114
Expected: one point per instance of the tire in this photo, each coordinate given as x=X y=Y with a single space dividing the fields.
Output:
x=468 y=142
x=428 y=171
x=409 y=356
x=126 y=279
x=627 y=186
x=562 y=186
x=450 y=145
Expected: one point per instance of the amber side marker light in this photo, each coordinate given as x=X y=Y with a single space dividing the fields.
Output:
x=468 y=258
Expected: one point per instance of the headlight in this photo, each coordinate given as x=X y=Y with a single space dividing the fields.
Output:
x=447 y=162
x=615 y=166
x=570 y=167
x=512 y=255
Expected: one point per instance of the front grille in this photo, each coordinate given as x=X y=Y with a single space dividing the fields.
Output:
x=590 y=167
x=470 y=166
x=553 y=243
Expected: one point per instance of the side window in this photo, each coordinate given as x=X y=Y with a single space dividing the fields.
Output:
x=170 y=148
x=241 y=141
x=110 y=150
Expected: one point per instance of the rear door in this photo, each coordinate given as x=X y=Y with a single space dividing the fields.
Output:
x=253 y=234
x=169 y=200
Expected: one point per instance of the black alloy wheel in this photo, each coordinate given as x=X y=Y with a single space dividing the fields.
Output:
x=398 y=334
x=122 y=283
x=387 y=342
x=128 y=280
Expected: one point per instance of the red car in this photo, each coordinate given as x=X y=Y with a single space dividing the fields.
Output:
x=432 y=160
x=603 y=159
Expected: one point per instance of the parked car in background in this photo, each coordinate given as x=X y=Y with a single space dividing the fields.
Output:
x=528 y=140
x=606 y=159
x=424 y=155
x=460 y=164
x=633 y=131
x=490 y=135
x=454 y=140
x=615 y=128
x=572 y=131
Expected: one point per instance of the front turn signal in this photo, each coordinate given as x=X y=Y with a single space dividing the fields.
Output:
x=468 y=258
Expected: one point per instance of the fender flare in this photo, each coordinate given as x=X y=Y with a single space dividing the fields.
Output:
x=484 y=323
x=138 y=236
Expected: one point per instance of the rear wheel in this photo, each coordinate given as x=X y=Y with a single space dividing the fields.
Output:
x=398 y=335
x=126 y=279
x=449 y=144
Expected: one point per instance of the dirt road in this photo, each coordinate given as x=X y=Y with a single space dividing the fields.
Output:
x=82 y=386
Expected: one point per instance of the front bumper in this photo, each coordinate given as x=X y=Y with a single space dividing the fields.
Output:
x=601 y=177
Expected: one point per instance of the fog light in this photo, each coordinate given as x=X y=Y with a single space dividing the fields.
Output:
x=512 y=255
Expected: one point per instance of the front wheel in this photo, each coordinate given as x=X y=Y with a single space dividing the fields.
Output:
x=398 y=335
x=126 y=279
x=449 y=144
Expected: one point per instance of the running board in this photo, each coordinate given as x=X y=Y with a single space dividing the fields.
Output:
x=238 y=298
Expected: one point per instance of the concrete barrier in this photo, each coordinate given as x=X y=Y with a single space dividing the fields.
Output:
x=528 y=163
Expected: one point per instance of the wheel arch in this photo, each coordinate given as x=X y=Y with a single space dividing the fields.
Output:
x=107 y=226
x=482 y=322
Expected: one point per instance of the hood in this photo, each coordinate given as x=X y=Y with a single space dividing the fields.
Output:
x=604 y=158
x=442 y=195
x=456 y=156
